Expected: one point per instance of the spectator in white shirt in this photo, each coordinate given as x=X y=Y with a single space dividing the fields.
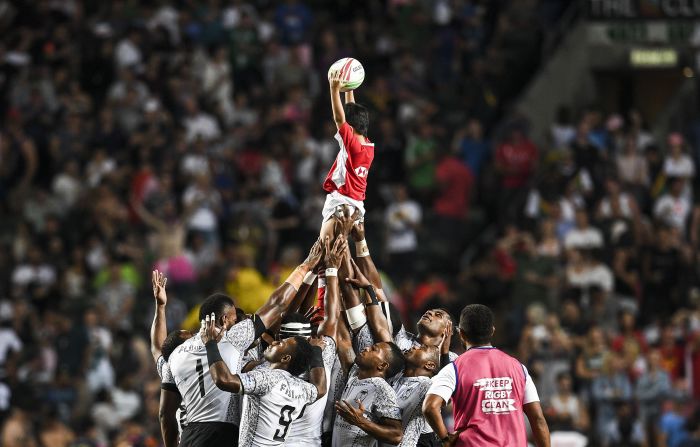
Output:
x=583 y=236
x=127 y=52
x=34 y=271
x=673 y=207
x=677 y=163
x=402 y=219
x=199 y=124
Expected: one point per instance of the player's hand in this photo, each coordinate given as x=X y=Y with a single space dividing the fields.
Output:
x=317 y=340
x=451 y=440
x=360 y=281
x=358 y=230
x=354 y=416
x=159 y=280
x=334 y=255
x=334 y=80
x=313 y=315
x=446 y=339
x=315 y=255
x=209 y=330
x=345 y=221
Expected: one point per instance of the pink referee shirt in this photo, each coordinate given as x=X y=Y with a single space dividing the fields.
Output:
x=488 y=389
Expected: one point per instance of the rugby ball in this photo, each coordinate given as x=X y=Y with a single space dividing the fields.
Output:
x=352 y=73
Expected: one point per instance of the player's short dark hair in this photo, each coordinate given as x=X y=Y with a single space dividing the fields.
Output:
x=476 y=322
x=215 y=303
x=172 y=341
x=396 y=361
x=357 y=116
x=301 y=357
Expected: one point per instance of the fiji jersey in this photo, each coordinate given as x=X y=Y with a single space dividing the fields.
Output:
x=306 y=431
x=410 y=393
x=379 y=400
x=336 y=384
x=274 y=400
x=167 y=382
x=202 y=399
x=348 y=175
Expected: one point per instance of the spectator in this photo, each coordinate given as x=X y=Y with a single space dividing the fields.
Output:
x=515 y=161
x=420 y=160
x=455 y=183
x=470 y=143
x=583 y=236
x=624 y=429
x=403 y=216
x=611 y=389
x=566 y=412
x=652 y=388
x=678 y=164
x=673 y=208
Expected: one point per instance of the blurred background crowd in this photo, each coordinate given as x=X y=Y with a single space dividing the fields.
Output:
x=193 y=137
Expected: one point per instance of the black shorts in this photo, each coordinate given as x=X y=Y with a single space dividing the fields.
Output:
x=209 y=434
x=428 y=440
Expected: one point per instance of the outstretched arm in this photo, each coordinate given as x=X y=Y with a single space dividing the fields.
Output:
x=279 y=301
x=159 y=330
x=375 y=317
x=336 y=104
x=333 y=258
x=317 y=370
x=364 y=260
x=349 y=96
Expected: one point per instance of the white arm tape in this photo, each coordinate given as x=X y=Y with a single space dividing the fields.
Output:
x=356 y=316
x=309 y=278
x=361 y=249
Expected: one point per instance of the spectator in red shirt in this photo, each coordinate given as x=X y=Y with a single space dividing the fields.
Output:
x=672 y=354
x=455 y=182
x=515 y=161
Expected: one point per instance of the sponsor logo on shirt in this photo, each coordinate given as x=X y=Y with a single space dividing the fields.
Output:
x=495 y=395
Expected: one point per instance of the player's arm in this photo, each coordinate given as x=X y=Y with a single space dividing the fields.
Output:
x=441 y=389
x=333 y=258
x=317 y=370
x=169 y=403
x=158 y=327
x=279 y=301
x=220 y=374
x=540 y=430
x=375 y=317
x=350 y=96
x=387 y=430
x=336 y=104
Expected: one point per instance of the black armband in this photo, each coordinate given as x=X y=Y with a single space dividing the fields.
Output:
x=372 y=295
x=258 y=326
x=444 y=360
x=213 y=354
x=316 y=358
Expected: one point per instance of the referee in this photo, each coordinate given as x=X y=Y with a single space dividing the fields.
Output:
x=490 y=391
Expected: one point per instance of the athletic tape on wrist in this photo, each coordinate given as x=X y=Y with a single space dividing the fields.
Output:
x=331 y=271
x=310 y=278
x=361 y=249
x=356 y=316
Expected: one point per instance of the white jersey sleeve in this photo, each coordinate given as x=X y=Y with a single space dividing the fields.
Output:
x=444 y=383
x=530 y=389
x=242 y=334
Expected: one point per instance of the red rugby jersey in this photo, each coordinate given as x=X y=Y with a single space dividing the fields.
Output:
x=348 y=175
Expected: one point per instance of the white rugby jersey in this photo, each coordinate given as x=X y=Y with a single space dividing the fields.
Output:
x=410 y=393
x=167 y=382
x=379 y=400
x=274 y=400
x=203 y=400
x=336 y=384
x=306 y=431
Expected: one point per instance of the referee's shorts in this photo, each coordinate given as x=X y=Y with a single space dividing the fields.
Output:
x=209 y=434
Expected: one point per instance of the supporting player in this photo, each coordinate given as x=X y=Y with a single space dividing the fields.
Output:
x=306 y=431
x=161 y=347
x=377 y=417
x=213 y=415
x=421 y=364
x=276 y=395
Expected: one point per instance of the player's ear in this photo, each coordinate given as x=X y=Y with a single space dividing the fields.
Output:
x=430 y=365
x=462 y=336
x=286 y=358
x=382 y=366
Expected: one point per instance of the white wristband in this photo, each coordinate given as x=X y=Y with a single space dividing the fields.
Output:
x=310 y=278
x=361 y=249
x=331 y=272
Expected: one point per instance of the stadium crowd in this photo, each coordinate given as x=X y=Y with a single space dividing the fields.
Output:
x=194 y=138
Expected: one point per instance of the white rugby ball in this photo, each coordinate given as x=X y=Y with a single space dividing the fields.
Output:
x=352 y=73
